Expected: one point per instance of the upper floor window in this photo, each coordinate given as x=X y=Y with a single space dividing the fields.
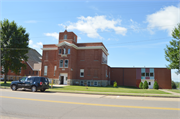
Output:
x=61 y=63
x=66 y=63
x=59 y=51
x=74 y=38
x=69 y=51
x=65 y=36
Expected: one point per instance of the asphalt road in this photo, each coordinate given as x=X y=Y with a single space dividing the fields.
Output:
x=46 y=105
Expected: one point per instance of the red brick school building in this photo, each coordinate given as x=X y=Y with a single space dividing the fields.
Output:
x=72 y=63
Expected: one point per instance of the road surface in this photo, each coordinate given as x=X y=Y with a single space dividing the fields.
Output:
x=27 y=105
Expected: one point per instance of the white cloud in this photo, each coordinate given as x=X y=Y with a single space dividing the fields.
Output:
x=30 y=42
x=174 y=76
x=31 y=21
x=36 y=46
x=164 y=19
x=55 y=35
x=90 y=26
x=134 y=25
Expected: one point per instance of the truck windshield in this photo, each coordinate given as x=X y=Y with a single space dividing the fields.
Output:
x=23 y=79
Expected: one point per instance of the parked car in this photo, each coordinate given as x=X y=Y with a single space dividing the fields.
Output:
x=1 y=79
x=31 y=82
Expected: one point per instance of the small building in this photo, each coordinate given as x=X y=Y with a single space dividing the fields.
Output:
x=72 y=63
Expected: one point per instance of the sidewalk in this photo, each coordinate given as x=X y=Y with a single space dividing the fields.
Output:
x=167 y=91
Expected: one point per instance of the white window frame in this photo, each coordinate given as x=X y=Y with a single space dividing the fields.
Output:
x=147 y=73
x=95 y=82
x=88 y=82
x=55 y=67
x=67 y=63
x=60 y=50
x=60 y=63
x=74 y=38
x=69 y=51
x=81 y=70
x=45 y=70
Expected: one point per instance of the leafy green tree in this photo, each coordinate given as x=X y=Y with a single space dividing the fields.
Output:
x=115 y=84
x=14 y=45
x=141 y=85
x=173 y=85
x=172 y=50
x=145 y=85
x=156 y=86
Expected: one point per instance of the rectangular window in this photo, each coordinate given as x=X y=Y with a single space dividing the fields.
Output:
x=45 y=70
x=33 y=72
x=54 y=70
x=59 y=51
x=61 y=63
x=147 y=74
x=142 y=74
x=151 y=74
x=37 y=73
x=82 y=83
x=95 y=83
x=89 y=83
x=143 y=70
x=74 y=39
x=81 y=72
x=66 y=63
x=69 y=51
x=46 y=56
x=65 y=36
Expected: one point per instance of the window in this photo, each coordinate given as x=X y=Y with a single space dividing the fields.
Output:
x=54 y=70
x=89 y=83
x=29 y=72
x=149 y=83
x=66 y=63
x=33 y=72
x=142 y=74
x=95 y=83
x=61 y=63
x=29 y=80
x=45 y=70
x=37 y=73
x=65 y=36
x=23 y=79
x=151 y=74
x=69 y=51
x=81 y=72
x=74 y=39
x=82 y=83
x=59 y=51
x=64 y=51
x=46 y=56
x=147 y=74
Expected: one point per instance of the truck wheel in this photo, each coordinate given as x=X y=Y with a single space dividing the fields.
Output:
x=14 y=87
x=33 y=89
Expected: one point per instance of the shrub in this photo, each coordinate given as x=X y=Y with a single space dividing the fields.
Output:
x=173 y=85
x=156 y=86
x=115 y=84
x=145 y=85
x=141 y=85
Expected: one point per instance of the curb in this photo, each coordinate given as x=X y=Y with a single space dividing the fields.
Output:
x=5 y=87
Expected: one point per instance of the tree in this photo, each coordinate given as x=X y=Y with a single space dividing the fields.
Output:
x=141 y=85
x=14 y=45
x=173 y=85
x=172 y=51
x=145 y=85
x=156 y=86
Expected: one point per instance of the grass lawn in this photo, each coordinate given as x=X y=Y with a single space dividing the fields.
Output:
x=7 y=83
x=107 y=90
x=175 y=90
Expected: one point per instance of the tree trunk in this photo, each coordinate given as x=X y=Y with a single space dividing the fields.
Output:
x=5 y=77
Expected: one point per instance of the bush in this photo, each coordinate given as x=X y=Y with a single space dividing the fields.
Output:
x=141 y=85
x=156 y=86
x=173 y=85
x=145 y=85
x=115 y=84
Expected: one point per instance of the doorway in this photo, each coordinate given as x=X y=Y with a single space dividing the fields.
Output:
x=63 y=78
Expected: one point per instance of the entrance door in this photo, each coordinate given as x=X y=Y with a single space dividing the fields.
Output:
x=63 y=78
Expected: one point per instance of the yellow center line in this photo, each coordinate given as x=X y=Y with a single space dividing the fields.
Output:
x=92 y=104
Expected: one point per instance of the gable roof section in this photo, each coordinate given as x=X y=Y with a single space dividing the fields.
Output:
x=34 y=60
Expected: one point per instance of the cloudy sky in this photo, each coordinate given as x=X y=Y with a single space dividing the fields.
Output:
x=135 y=32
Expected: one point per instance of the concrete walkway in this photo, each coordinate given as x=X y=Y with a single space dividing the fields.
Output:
x=167 y=91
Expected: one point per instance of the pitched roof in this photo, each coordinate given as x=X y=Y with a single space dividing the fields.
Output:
x=34 y=59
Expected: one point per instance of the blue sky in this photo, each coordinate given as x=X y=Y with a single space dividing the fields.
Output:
x=135 y=32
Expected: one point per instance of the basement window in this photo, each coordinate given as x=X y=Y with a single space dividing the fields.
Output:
x=82 y=83
x=95 y=83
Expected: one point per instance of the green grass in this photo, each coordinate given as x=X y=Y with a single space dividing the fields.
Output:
x=107 y=90
x=175 y=90
x=8 y=83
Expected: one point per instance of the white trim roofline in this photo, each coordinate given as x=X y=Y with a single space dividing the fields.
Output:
x=76 y=47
